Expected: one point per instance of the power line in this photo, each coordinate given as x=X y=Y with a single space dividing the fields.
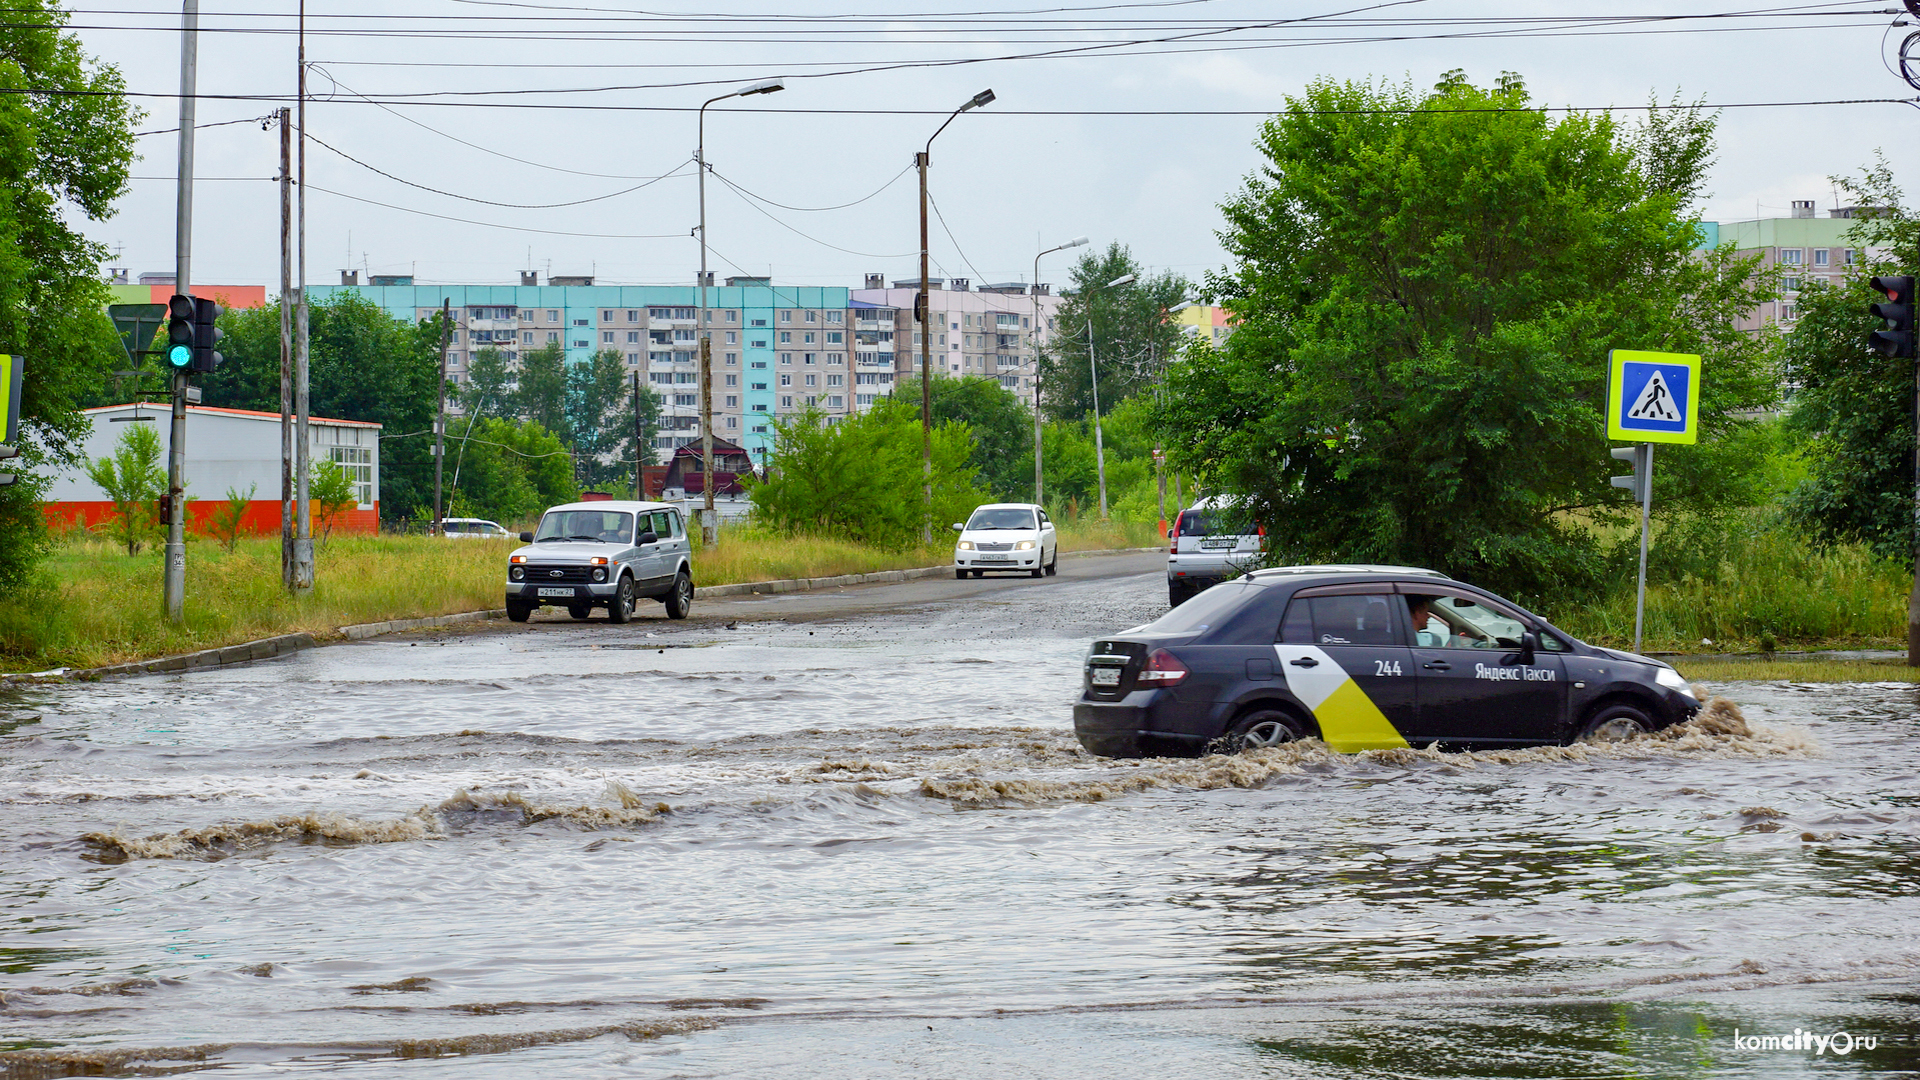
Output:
x=495 y=225
x=491 y=202
x=811 y=209
x=762 y=210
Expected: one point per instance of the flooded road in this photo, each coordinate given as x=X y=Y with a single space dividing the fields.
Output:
x=858 y=841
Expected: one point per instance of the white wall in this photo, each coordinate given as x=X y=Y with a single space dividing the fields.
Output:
x=225 y=449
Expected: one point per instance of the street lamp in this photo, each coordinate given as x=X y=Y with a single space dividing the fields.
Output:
x=922 y=308
x=709 y=532
x=1033 y=338
x=1099 y=451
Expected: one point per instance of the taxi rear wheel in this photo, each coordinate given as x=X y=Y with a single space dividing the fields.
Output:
x=1616 y=723
x=1261 y=729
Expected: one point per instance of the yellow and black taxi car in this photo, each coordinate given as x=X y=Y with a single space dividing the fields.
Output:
x=1363 y=658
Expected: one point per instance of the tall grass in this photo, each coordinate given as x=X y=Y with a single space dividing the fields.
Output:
x=1746 y=585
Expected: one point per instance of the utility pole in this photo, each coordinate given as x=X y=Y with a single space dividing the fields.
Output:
x=440 y=418
x=923 y=303
x=1039 y=489
x=303 y=508
x=286 y=349
x=639 y=445
x=174 y=581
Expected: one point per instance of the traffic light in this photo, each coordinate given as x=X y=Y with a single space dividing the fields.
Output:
x=206 y=334
x=1897 y=339
x=180 y=311
x=1637 y=482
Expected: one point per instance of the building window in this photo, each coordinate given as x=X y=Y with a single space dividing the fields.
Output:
x=1847 y=256
x=733 y=421
x=835 y=337
x=808 y=358
x=786 y=379
x=526 y=316
x=786 y=316
x=786 y=358
x=633 y=359
x=835 y=316
x=733 y=337
x=633 y=337
x=1791 y=256
x=812 y=379
x=1791 y=284
x=733 y=379
x=582 y=343
x=836 y=380
x=786 y=401
x=758 y=386
x=836 y=358
x=526 y=337
x=1820 y=256
x=553 y=316
x=786 y=337
x=1789 y=312
x=835 y=401
x=553 y=337
x=606 y=337
x=807 y=338
x=358 y=462
x=733 y=316
x=812 y=316
x=733 y=401
x=733 y=359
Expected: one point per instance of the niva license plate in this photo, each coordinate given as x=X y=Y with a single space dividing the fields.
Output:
x=1106 y=676
x=556 y=592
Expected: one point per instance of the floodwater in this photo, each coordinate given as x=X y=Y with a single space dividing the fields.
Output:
x=867 y=846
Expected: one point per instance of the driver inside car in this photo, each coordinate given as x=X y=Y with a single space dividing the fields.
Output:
x=1432 y=630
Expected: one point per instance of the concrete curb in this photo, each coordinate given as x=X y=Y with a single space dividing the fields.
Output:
x=375 y=629
x=263 y=649
x=882 y=577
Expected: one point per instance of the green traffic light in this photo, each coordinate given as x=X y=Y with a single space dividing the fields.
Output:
x=180 y=355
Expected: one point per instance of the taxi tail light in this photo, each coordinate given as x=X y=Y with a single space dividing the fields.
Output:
x=1162 y=669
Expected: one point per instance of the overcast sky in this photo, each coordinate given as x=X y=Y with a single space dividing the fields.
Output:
x=1007 y=184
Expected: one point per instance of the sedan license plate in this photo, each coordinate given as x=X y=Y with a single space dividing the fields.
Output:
x=556 y=592
x=996 y=558
x=1106 y=676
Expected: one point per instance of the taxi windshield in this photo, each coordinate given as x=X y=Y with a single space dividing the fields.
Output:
x=598 y=526
x=1004 y=518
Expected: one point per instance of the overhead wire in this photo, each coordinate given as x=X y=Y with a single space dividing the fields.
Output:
x=491 y=202
x=492 y=224
x=811 y=209
x=770 y=217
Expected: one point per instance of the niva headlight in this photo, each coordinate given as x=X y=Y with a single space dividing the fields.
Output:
x=599 y=573
x=516 y=573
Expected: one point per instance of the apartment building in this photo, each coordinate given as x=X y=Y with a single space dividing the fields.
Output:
x=989 y=331
x=1210 y=324
x=777 y=349
x=1804 y=246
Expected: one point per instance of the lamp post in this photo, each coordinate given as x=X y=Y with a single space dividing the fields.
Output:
x=1033 y=338
x=709 y=532
x=923 y=307
x=1159 y=446
x=1099 y=451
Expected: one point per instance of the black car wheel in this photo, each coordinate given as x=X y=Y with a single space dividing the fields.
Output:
x=1615 y=723
x=680 y=600
x=1261 y=729
x=579 y=611
x=1054 y=566
x=1178 y=593
x=961 y=574
x=621 y=609
x=520 y=610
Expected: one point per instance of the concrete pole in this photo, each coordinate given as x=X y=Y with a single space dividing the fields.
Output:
x=303 y=507
x=639 y=445
x=174 y=579
x=709 y=530
x=1099 y=448
x=440 y=417
x=1039 y=440
x=926 y=357
x=286 y=350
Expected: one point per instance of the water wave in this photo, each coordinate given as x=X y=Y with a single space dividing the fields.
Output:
x=632 y=808
x=229 y=837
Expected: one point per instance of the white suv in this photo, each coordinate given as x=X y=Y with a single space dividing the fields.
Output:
x=1212 y=541
x=1006 y=536
x=606 y=554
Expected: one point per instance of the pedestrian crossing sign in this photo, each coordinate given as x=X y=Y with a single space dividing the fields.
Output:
x=1653 y=397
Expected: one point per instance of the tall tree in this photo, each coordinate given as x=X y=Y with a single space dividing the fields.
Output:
x=1427 y=286
x=542 y=393
x=66 y=144
x=1855 y=406
x=489 y=389
x=1132 y=337
x=598 y=415
x=1001 y=426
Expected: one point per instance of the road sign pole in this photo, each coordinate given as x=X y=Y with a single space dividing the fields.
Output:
x=1645 y=468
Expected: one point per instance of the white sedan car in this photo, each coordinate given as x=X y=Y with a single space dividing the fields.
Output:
x=1006 y=536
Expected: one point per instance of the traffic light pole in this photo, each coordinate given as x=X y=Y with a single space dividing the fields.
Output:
x=1898 y=341
x=174 y=585
x=1646 y=519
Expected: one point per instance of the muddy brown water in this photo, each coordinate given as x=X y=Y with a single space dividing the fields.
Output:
x=868 y=846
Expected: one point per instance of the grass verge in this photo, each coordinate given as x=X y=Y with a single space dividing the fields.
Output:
x=95 y=605
x=1718 y=669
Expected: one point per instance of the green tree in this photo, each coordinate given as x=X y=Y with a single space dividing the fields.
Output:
x=134 y=479
x=860 y=479
x=362 y=364
x=1427 y=286
x=1132 y=338
x=488 y=390
x=227 y=521
x=510 y=470
x=1854 y=409
x=541 y=395
x=1002 y=430
x=599 y=413
x=332 y=490
x=66 y=144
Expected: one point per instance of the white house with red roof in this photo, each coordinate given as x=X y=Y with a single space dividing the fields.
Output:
x=227 y=449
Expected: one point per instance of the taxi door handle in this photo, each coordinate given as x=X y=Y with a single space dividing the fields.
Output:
x=1305 y=661
x=1437 y=665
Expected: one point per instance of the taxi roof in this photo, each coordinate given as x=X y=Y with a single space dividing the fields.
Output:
x=1332 y=569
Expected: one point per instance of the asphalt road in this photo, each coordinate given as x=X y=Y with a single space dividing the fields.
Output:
x=853 y=599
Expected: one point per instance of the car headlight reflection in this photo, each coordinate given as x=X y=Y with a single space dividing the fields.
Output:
x=1024 y=545
x=1673 y=681
x=517 y=573
x=964 y=545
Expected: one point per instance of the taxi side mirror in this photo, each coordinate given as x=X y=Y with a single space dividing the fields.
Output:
x=649 y=537
x=526 y=538
x=1529 y=641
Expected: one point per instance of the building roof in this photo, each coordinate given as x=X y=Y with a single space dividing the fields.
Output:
x=250 y=414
